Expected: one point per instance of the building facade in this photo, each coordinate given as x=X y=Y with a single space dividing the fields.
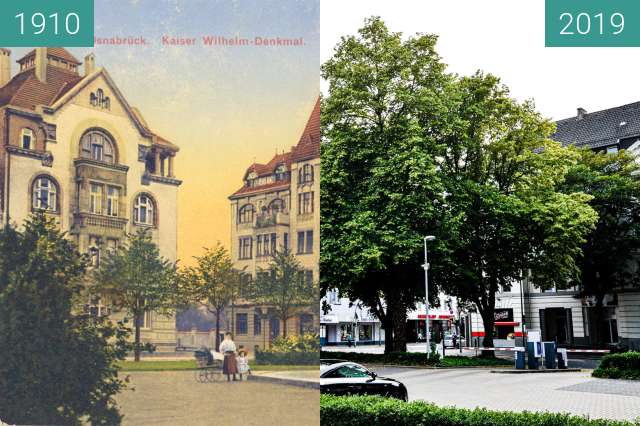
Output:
x=277 y=207
x=72 y=147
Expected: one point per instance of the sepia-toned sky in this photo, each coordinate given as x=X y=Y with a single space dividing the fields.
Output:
x=224 y=106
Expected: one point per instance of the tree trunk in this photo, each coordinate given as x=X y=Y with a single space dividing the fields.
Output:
x=399 y=328
x=598 y=318
x=488 y=321
x=387 y=323
x=217 y=341
x=136 y=349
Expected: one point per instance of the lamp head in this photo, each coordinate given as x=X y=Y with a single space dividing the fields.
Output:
x=429 y=238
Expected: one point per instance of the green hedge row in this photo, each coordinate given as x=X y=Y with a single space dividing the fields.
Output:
x=411 y=358
x=368 y=410
x=287 y=358
x=624 y=365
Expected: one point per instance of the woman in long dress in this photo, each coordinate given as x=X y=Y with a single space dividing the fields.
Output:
x=229 y=366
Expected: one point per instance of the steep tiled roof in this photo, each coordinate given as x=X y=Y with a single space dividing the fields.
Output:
x=26 y=91
x=309 y=144
x=244 y=190
x=308 y=147
x=56 y=52
x=601 y=128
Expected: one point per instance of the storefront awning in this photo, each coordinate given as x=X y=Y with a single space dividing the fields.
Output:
x=506 y=324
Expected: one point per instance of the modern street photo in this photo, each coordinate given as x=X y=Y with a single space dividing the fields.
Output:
x=480 y=221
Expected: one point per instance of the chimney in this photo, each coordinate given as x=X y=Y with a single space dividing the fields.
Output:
x=581 y=113
x=5 y=66
x=89 y=64
x=41 y=64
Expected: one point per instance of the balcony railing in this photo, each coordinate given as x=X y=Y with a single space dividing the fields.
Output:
x=265 y=220
x=90 y=219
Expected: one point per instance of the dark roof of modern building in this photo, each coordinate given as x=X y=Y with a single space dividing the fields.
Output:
x=601 y=128
x=308 y=147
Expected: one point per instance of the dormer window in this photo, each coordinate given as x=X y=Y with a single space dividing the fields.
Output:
x=281 y=172
x=251 y=179
x=27 y=139
x=96 y=145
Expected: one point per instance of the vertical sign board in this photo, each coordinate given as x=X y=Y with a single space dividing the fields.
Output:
x=533 y=336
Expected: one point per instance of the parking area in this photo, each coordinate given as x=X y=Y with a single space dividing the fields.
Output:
x=576 y=393
x=175 y=398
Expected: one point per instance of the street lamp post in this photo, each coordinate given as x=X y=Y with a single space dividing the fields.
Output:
x=426 y=291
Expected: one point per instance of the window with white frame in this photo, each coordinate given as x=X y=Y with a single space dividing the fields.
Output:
x=95 y=199
x=27 y=141
x=44 y=194
x=144 y=210
x=305 y=242
x=113 y=195
x=96 y=145
x=305 y=175
x=305 y=202
x=246 y=213
x=245 y=248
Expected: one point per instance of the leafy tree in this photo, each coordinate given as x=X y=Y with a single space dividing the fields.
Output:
x=136 y=279
x=610 y=253
x=213 y=283
x=284 y=287
x=380 y=188
x=58 y=365
x=504 y=214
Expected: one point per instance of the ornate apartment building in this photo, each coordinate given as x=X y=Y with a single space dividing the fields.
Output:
x=72 y=147
x=278 y=206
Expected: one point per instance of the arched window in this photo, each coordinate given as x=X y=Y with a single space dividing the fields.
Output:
x=245 y=214
x=27 y=141
x=44 y=194
x=276 y=206
x=97 y=145
x=305 y=175
x=144 y=210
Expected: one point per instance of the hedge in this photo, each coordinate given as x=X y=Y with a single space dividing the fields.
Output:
x=372 y=410
x=412 y=358
x=619 y=366
x=287 y=358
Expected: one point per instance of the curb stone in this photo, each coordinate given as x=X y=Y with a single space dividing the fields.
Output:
x=285 y=381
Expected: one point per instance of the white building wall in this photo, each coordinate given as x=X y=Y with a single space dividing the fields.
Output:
x=628 y=315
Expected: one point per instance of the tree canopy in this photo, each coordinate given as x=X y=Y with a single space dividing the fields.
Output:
x=136 y=280
x=610 y=252
x=213 y=283
x=58 y=364
x=380 y=187
x=285 y=287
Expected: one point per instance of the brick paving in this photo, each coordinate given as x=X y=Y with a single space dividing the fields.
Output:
x=175 y=398
x=575 y=393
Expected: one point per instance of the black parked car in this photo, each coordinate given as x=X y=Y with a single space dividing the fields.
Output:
x=348 y=378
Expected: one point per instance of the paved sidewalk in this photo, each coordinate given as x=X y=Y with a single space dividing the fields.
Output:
x=175 y=398
x=576 y=393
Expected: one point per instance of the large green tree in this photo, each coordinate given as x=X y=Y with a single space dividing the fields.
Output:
x=610 y=259
x=285 y=287
x=380 y=187
x=136 y=279
x=212 y=282
x=57 y=365
x=505 y=216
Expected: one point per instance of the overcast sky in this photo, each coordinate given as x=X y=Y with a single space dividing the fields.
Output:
x=506 y=38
